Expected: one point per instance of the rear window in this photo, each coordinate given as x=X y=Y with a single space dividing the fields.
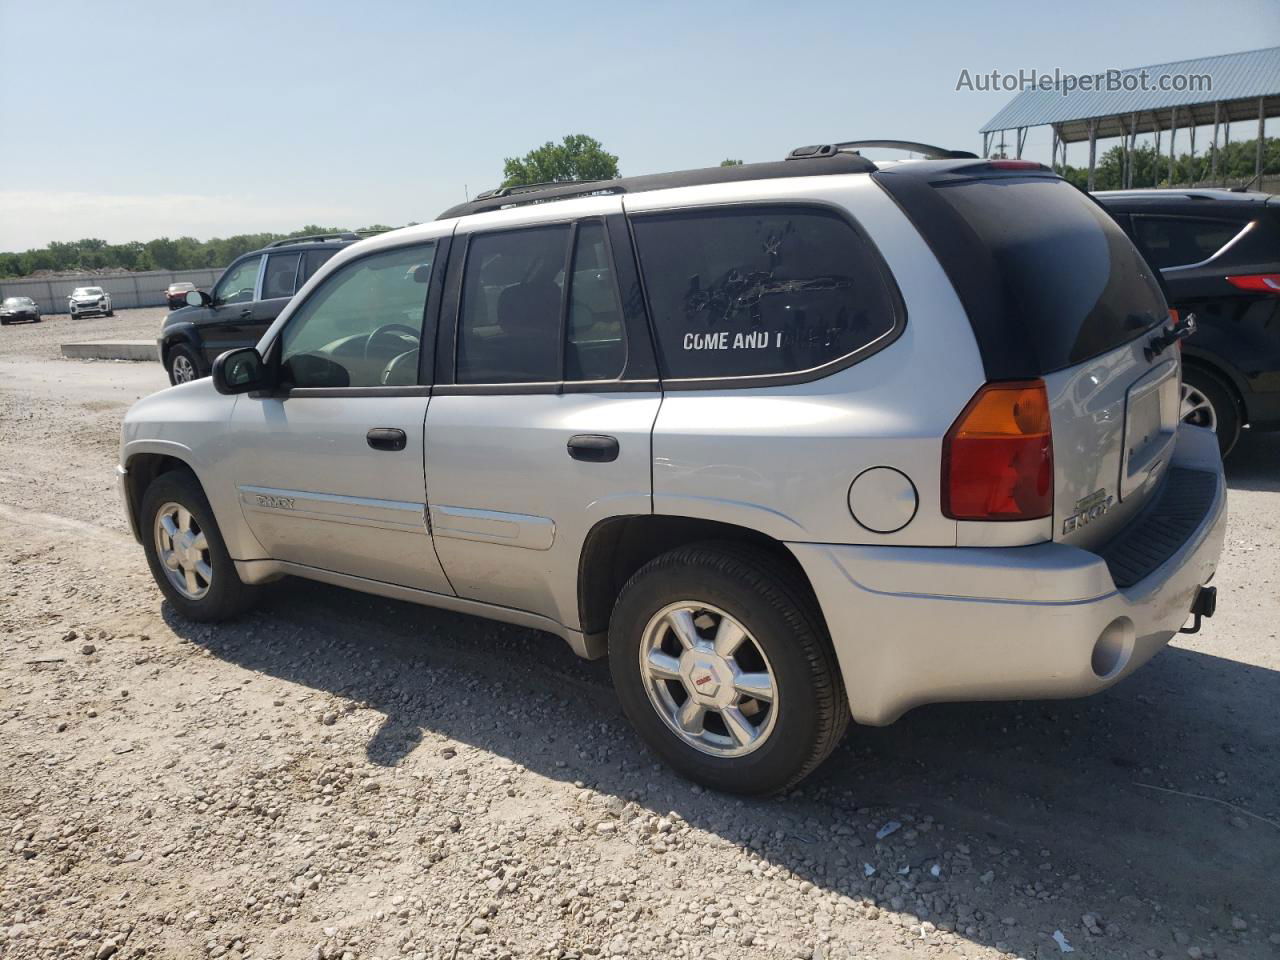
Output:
x=1065 y=275
x=1181 y=241
x=740 y=292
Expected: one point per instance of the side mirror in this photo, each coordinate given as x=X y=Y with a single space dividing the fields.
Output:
x=240 y=371
x=198 y=298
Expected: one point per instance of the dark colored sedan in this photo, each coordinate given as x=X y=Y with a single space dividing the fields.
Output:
x=14 y=309
x=1219 y=254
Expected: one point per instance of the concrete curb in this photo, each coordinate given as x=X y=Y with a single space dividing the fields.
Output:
x=112 y=350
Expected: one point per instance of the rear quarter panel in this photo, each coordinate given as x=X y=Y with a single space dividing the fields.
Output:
x=780 y=459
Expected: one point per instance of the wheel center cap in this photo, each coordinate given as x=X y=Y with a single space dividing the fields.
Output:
x=707 y=676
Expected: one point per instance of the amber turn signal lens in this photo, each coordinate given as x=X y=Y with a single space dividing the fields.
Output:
x=997 y=458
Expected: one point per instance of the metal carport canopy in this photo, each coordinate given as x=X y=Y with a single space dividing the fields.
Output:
x=1243 y=86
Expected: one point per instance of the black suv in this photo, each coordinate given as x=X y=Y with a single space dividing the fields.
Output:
x=247 y=297
x=1219 y=254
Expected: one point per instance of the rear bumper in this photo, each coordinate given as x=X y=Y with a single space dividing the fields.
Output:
x=915 y=625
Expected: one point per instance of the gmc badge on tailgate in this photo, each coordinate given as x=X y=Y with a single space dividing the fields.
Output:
x=1088 y=509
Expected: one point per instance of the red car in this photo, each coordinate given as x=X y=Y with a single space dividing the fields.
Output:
x=176 y=295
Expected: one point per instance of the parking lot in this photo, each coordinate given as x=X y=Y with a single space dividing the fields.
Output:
x=344 y=776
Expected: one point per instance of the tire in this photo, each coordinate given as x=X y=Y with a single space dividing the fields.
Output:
x=1208 y=401
x=786 y=643
x=180 y=360
x=109 y=313
x=218 y=594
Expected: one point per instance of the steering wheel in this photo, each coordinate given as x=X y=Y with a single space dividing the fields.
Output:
x=395 y=334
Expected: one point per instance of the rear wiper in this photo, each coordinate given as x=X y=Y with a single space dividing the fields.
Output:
x=1169 y=336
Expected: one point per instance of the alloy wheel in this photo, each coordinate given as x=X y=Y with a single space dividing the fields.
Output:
x=184 y=370
x=183 y=550
x=709 y=679
x=1197 y=409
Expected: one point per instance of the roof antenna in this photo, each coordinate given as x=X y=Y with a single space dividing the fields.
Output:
x=466 y=193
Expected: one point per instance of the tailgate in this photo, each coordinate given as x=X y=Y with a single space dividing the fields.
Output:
x=1115 y=421
x=1056 y=291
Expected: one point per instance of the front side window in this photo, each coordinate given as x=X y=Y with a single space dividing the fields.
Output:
x=362 y=327
x=282 y=270
x=509 y=318
x=1179 y=241
x=759 y=291
x=239 y=283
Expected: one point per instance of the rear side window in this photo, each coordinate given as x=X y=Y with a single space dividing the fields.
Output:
x=311 y=262
x=596 y=348
x=1179 y=241
x=758 y=291
x=509 y=322
x=282 y=268
x=1065 y=277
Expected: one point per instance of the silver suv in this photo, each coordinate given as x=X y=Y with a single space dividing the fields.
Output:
x=792 y=443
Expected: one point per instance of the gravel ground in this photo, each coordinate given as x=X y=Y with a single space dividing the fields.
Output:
x=340 y=776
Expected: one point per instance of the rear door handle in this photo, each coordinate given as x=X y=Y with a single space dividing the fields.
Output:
x=386 y=438
x=593 y=448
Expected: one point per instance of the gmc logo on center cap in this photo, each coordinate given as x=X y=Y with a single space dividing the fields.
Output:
x=705 y=678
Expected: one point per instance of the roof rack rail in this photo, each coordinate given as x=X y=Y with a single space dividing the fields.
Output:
x=854 y=146
x=529 y=188
x=503 y=198
x=315 y=238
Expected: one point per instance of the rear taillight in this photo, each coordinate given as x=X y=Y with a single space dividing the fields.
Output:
x=1257 y=282
x=997 y=458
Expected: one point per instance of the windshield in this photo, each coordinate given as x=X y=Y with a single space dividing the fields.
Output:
x=17 y=301
x=87 y=292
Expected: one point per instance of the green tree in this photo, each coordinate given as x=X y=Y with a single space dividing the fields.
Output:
x=1235 y=163
x=730 y=163
x=577 y=157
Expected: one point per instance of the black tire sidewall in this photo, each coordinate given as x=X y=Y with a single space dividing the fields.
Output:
x=781 y=627
x=227 y=595
x=1224 y=404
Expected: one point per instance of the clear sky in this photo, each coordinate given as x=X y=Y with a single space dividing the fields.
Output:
x=135 y=120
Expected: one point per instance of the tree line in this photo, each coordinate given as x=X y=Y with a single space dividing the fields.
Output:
x=182 y=253
x=1235 y=162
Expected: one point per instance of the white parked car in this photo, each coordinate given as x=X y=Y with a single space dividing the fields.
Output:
x=88 y=300
x=791 y=443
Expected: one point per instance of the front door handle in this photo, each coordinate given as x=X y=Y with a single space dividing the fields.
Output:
x=386 y=438
x=593 y=448
x=246 y=314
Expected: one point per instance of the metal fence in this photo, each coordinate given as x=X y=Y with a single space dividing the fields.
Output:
x=126 y=289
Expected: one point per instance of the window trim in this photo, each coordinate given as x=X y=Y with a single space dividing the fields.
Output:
x=1135 y=217
x=810 y=374
x=446 y=384
x=274 y=350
